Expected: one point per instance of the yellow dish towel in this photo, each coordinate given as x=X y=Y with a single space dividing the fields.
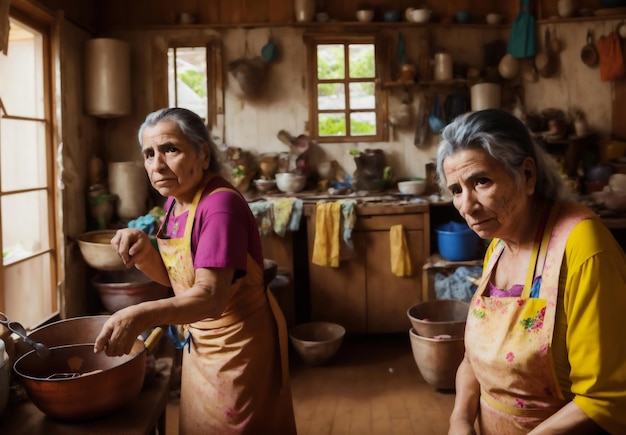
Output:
x=326 y=244
x=400 y=258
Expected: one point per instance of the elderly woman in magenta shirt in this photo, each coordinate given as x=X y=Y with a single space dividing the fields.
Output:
x=234 y=371
x=544 y=343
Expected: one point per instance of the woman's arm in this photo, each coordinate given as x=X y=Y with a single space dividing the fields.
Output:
x=208 y=297
x=570 y=420
x=466 y=402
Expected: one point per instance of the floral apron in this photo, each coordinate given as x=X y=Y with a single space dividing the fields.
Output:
x=508 y=339
x=231 y=380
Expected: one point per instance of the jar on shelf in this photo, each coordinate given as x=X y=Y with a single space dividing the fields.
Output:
x=304 y=10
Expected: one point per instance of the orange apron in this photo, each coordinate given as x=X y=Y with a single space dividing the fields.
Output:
x=235 y=376
x=508 y=339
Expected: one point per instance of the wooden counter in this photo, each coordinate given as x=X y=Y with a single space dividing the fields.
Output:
x=140 y=417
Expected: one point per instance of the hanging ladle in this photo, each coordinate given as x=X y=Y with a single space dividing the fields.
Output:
x=16 y=327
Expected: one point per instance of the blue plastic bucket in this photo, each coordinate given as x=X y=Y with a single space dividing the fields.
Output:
x=457 y=241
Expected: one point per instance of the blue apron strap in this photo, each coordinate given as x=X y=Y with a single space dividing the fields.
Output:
x=172 y=332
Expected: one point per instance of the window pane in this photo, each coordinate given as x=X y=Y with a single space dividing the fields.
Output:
x=330 y=62
x=30 y=302
x=362 y=96
x=331 y=124
x=24 y=225
x=331 y=96
x=363 y=123
x=362 y=63
x=187 y=87
x=21 y=86
x=22 y=154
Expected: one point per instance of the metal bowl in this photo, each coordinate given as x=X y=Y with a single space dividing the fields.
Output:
x=95 y=246
x=439 y=317
x=122 y=288
x=317 y=342
x=75 y=384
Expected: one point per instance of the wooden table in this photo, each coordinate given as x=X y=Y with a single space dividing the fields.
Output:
x=142 y=416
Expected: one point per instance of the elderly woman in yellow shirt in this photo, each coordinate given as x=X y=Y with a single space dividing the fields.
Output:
x=545 y=349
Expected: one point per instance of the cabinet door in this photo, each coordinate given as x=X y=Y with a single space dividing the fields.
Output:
x=337 y=294
x=279 y=249
x=389 y=296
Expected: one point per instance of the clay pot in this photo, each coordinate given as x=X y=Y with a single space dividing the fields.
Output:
x=437 y=359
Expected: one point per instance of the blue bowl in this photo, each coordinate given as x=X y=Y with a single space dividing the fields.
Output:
x=457 y=242
x=463 y=17
x=391 y=16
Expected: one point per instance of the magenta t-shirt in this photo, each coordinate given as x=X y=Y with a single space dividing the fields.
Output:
x=224 y=231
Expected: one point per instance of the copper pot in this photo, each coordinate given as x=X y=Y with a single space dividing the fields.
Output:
x=74 y=383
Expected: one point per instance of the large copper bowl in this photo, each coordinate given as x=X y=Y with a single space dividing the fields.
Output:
x=74 y=330
x=75 y=384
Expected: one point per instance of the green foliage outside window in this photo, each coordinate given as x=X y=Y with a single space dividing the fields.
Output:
x=195 y=81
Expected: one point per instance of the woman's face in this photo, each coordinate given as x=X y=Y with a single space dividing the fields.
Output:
x=174 y=166
x=487 y=196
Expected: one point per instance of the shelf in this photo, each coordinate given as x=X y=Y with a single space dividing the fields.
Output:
x=314 y=25
x=559 y=20
x=427 y=83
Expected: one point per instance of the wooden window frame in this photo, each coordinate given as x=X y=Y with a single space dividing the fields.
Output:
x=312 y=40
x=47 y=26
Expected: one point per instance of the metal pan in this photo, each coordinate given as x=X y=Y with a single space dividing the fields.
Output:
x=589 y=54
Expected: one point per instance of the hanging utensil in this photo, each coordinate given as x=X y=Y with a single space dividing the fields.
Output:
x=17 y=328
x=268 y=51
x=589 y=54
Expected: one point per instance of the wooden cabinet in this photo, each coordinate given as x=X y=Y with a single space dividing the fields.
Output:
x=363 y=294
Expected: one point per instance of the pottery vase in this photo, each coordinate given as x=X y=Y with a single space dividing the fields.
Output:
x=304 y=10
x=566 y=8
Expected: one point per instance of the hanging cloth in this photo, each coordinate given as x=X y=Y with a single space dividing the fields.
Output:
x=610 y=56
x=523 y=38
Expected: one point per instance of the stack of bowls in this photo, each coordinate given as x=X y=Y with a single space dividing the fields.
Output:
x=437 y=339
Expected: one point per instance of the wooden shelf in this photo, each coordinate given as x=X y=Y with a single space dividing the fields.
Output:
x=314 y=25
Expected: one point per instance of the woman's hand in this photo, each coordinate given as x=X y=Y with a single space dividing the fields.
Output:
x=119 y=333
x=133 y=246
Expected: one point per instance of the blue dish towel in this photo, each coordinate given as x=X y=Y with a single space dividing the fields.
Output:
x=349 y=219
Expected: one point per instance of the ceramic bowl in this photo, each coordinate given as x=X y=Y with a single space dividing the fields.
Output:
x=420 y=15
x=95 y=246
x=289 y=182
x=365 y=15
x=439 y=317
x=317 y=342
x=493 y=18
x=264 y=185
x=122 y=288
x=412 y=187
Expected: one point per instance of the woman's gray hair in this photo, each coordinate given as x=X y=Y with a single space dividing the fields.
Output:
x=191 y=126
x=506 y=139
